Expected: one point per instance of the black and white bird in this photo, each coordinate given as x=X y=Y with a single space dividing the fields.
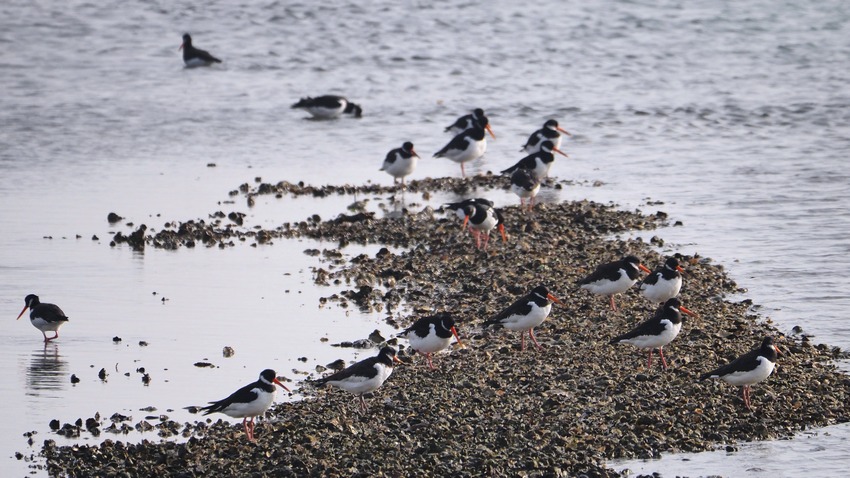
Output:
x=525 y=314
x=613 y=278
x=249 y=401
x=431 y=334
x=538 y=163
x=482 y=219
x=748 y=369
x=467 y=146
x=656 y=332
x=400 y=162
x=524 y=185
x=549 y=132
x=44 y=317
x=328 y=106
x=364 y=376
x=664 y=282
x=460 y=207
x=465 y=122
x=193 y=57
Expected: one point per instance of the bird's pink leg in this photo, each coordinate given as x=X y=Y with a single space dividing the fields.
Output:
x=522 y=341
x=613 y=306
x=663 y=360
x=649 y=363
x=431 y=365
x=462 y=172
x=531 y=334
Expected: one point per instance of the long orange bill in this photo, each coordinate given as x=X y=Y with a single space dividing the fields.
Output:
x=181 y=47
x=282 y=385
x=686 y=311
x=502 y=231
x=414 y=153
x=22 y=312
x=560 y=152
x=777 y=349
x=396 y=359
x=555 y=300
x=643 y=268
x=465 y=221
x=454 y=331
x=679 y=268
x=490 y=131
x=563 y=131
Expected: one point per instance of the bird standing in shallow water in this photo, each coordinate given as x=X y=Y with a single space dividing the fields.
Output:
x=328 y=106
x=656 y=332
x=525 y=314
x=431 y=334
x=525 y=186
x=193 y=57
x=663 y=283
x=466 y=146
x=549 y=132
x=364 y=376
x=249 y=401
x=613 y=278
x=400 y=162
x=748 y=369
x=44 y=317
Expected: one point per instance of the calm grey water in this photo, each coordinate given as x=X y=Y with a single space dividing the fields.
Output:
x=734 y=115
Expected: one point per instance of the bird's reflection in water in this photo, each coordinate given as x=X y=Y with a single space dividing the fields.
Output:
x=398 y=206
x=47 y=370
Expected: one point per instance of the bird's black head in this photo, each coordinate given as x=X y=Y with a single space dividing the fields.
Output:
x=187 y=40
x=268 y=375
x=547 y=146
x=671 y=263
x=408 y=147
x=353 y=109
x=769 y=349
x=673 y=303
x=551 y=124
x=446 y=320
x=303 y=102
x=31 y=300
x=388 y=355
x=478 y=113
x=632 y=260
x=540 y=290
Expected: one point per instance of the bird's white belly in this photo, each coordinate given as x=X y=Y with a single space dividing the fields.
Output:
x=325 y=113
x=359 y=385
x=671 y=330
x=606 y=287
x=431 y=343
x=46 y=326
x=252 y=409
x=474 y=150
x=525 y=193
x=760 y=373
x=522 y=323
x=662 y=290
x=401 y=167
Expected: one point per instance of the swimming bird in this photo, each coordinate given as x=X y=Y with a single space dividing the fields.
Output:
x=539 y=163
x=400 y=162
x=482 y=219
x=525 y=314
x=748 y=369
x=549 y=132
x=466 y=122
x=249 y=401
x=613 y=278
x=664 y=282
x=467 y=146
x=193 y=57
x=364 y=376
x=431 y=334
x=524 y=185
x=44 y=317
x=328 y=106
x=656 y=332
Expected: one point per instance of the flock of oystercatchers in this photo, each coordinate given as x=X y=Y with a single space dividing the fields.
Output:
x=429 y=335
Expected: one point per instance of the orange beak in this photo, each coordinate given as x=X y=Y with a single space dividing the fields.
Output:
x=282 y=385
x=396 y=359
x=777 y=349
x=454 y=331
x=22 y=312
x=490 y=131
x=465 y=221
x=181 y=47
x=555 y=299
x=643 y=268
x=563 y=131
x=560 y=152
x=502 y=231
x=413 y=152
x=686 y=311
x=679 y=268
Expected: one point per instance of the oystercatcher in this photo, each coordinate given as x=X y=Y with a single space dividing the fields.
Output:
x=400 y=162
x=431 y=334
x=364 y=376
x=525 y=314
x=748 y=369
x=613 y=278
x=329 y=106
x=482 y=219
x=524 y=185
x=658 y=331
x=549 y=132
x=459 y=207
x=193 y=57
x=539 y=163
x=466 y=122
x=467 y=146
x=44 y=317
x=663 y=283
x=249 y=401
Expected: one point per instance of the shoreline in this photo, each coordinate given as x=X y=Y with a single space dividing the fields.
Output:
x=491 y=409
